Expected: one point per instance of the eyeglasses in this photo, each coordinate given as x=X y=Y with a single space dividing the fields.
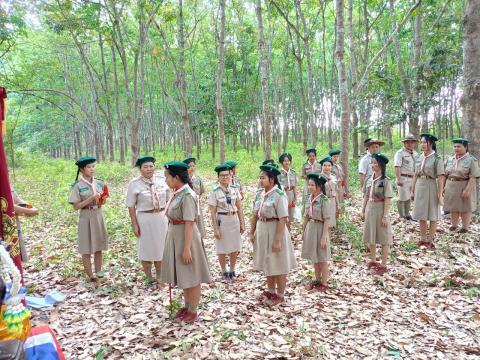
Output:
x=224 y=175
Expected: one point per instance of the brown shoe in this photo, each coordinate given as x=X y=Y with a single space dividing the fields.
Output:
x=321 y=287
x=452 y=228
x=265 y=295
x=180 y=313
x=190 y=317
x=380 y=270
x=463 y=231
x=372 y=264
x=275 y=300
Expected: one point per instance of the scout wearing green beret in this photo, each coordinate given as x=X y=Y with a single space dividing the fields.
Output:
x=235 y=178
x=268 y=161
x=404 y=163
x=311 y=166
x=147 y=197
x=199 y=189
x=228 y=221
x=337 y=170
x=377 y=195
x=288 y=180
x=331 y=188
x=427 y=189
x=87 y=195
x=272 y=248
x=462 y=172
x=364 y=166
x=316 y=240
x=184 y=259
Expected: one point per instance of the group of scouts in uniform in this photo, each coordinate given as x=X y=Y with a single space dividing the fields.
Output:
x=168 y=222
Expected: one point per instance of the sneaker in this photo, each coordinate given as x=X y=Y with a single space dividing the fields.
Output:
x=190 y=317
x=275 y=300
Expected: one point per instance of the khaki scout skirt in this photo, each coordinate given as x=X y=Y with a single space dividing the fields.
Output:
x=373 y=231
x=332 y=210
x=230 y=237
x=425 y=203
x=453 y=197
x=174 y=270
x=291 y=210
x=153 y=230
x=201 y=223
x=311 y=249
x=404 y=191
x=92 y=233
x=267 y=261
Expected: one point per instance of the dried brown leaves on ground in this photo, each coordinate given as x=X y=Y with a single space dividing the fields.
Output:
x=426 y=306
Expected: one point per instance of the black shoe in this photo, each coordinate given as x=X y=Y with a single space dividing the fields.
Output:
x=226 y=276
x=232 y=275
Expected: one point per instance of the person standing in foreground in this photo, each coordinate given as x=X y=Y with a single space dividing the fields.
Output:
x=199 y=189
x=427 y=189
x=272 y=248
x=316 y=240
x=184 y=259
x=228 y=222
x=377 y=195
x=146 y=201
x=404 y=163
x=462 y=172
x=88 y=195
x=288 y=180
x=365 y=164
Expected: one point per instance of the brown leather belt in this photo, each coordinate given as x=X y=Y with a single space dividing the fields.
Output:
x=456 y=179
x=176 y=222
x=317 y=221
x=153 y=211
x=229 y=213
x=92 y=207
x=406 y=175
x=268 y=219
x=426 y=177
x=376 y=200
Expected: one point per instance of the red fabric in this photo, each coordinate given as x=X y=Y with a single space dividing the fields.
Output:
x=38 y=330
x=8 y=224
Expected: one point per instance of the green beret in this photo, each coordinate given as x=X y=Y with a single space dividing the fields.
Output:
x=85 y=160
x=429 y=137
x=460 y=140
x=189 y=160
x=308 y=151
x=380 y=158
x=231 y=163
x=176 y=166
x=268 y=161
x=322 y=178
x=144 y=159
x=270 y=169
x=222 y=167
x=326 y=159
x=366 y=141
x=283 y=156
x=334 y=152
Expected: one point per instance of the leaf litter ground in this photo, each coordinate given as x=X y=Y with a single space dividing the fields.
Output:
x=426 y=306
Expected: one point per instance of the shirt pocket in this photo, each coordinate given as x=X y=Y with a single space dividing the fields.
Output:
x=268 y=209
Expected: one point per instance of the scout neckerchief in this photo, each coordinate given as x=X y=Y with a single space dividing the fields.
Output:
x=373 y=185
x=173 y=195
x=411 y=155
x=312 y=200
x=311 y=164
x=425 y=159
x=457 y=160
x=226 y=191
x=153 y=193
x=288 y=176
x=264 y=197
x=90 y=184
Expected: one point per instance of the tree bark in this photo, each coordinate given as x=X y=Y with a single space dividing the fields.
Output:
x=218 y=97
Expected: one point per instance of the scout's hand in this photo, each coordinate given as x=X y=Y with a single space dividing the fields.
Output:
x=251 y=237
x=440 y=199
x=136 y=230
x=95 y=198
x=187 y=256
x=277 y=246
x=323 y=243
x=216 y=233
x=465 y=193
x=242 y=229
x=31 y=212
x=384 y=221
x=412 y=195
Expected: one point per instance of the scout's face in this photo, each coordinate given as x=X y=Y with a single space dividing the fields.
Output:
x=88 y=170
x=286 y=163
x=374 y=148
x=375 y=167
x=327 y=167
x=409 y=144
x=147 y=169
x=312 y=187
x=425 y=145
x=311 y=157
x=224 y=178
x=459 y=149
x=191 y=168
x=173 y=182
x=265 y=181
x=335 y=158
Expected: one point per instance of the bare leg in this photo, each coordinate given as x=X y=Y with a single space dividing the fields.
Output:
x=373 y=252
x=318 y=272
x=233 y=260
x=271 y=284
x=466 y=219
x=222 y=261
x=432 y=230
x=454 y=218
x=325 y=272
x=97 y=259
x=423 y=230
x=193 y=298
x=385 y=253
x=147 y=269
x=87 y=265
x=281 y=282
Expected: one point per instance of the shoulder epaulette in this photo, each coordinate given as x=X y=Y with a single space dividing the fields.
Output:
x=324 y=197
x=293 y=171
x=386 y=177
x=74 y=183
x=473 y=158
x=216 y=188
x=437 y=156
x=280 y=191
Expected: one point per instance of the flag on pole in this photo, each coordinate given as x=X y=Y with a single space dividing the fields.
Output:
x=8 y=224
